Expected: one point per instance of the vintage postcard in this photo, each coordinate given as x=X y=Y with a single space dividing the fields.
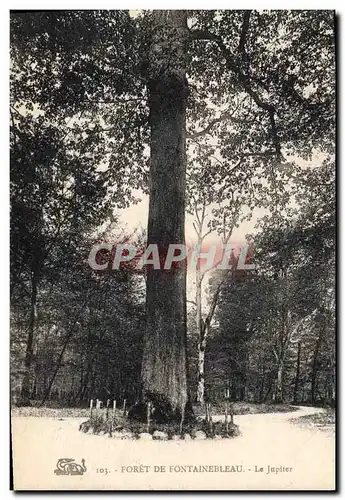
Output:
x=172 y=241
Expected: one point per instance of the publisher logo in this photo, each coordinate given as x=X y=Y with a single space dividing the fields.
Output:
x=69 y=467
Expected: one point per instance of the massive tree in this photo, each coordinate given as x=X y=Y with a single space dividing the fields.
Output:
x=164 y=374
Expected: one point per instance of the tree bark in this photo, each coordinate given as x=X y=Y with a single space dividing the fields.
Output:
x=164 y=368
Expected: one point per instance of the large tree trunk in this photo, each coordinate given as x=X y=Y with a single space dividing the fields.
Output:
x=29 y=354
x=164 y=370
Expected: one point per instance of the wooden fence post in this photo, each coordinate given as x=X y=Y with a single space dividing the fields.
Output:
x=114 y=409
x=124 y=407
x=91 y=407
x=107 y=411
x=99 y=405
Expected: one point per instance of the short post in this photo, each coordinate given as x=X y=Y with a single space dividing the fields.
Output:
x=114 y=409
x=107 y=411
x=98 y=406
x=124 y=407
x=148 y=416
x=91 y=407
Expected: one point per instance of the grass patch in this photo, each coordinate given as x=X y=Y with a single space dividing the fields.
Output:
x=324 y=421
x=244 y=408
x=31 y=411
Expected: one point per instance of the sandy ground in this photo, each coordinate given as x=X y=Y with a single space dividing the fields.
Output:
x=302 y=458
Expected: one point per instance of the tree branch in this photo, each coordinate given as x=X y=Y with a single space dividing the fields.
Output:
x=245 y=27
x=243 y=79
x=225 y=116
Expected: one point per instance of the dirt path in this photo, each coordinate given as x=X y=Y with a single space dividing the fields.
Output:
x=305 y=457
x=265 y=423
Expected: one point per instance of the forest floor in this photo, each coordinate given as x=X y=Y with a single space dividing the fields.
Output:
x=266 y=440
x=240 y=408
x=324 y=421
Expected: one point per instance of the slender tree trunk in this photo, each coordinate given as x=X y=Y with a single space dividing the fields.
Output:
x=201 y=368
x=61 y=355
x=202 y=334
x=27 y=380
x=278 y=393
x=244 y=369
x=262 y=382
x=314 y=368
x=204 y=330
x=86 y=379
x=164 y=370
x=333 y=383
x=201 y=374
x=298 y=368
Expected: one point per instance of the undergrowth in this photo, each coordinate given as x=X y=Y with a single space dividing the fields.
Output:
x=98 y=424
